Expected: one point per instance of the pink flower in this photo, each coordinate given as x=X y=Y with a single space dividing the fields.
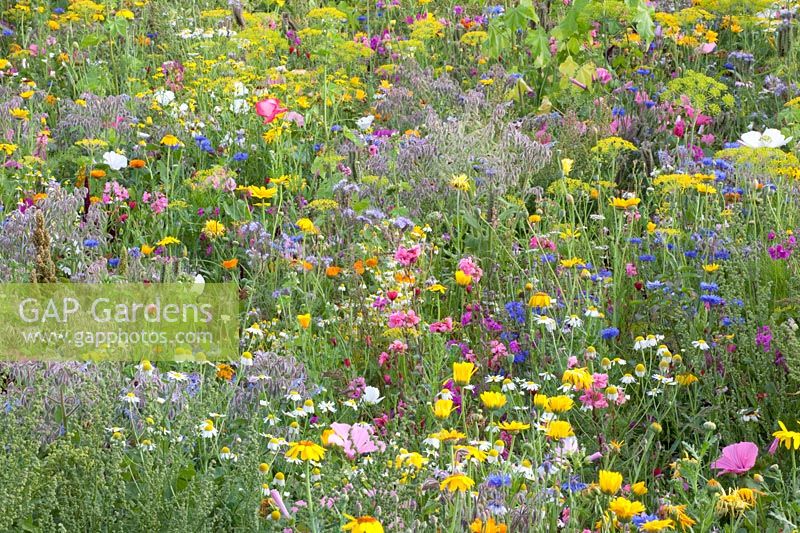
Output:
x=407 y=256
x=680 y=128
x=355 y=439
x=468 y=267
x=297 y=118
x=706 y=48
x=396 y=320
x=736 y=458
x=444 y=326
x=269 y=109
x=602 y=76
x=278 y=499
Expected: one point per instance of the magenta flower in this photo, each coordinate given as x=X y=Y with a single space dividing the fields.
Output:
x=736 y=458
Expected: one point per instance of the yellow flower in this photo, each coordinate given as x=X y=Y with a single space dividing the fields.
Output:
x=610 y=482
x=493 y=400
x=147 y=250
x=559 y=429
x=437 y=287
x=533 y=219
x=713 y=267
x=513 y=427
x=442 y=408
x=580 y=378
x=790 y=439
x=460 y=182
x=686 y=379
x=305 y=450
x=20 y=114
x=472 y=452
x=478 y=526
x=624 y=203
x=170 y=141
x=213 y=229
x=625 y=509
x=262 y=193
x=654 y=526
x=125 y=14
x=304 y=320
x=541 y=300
x=639 y=488
x=27 y=94
x=456 y=482
x=463 y=279
x=566 y=166
x=166 y=241
x=447 y=435
x=559 y=404
x=362 y=524
x=307 y=226
x=463 y=372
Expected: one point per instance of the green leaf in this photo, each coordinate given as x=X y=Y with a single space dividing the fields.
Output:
x=642 y=19
x=185 y=476
x=540 y=48
x=90 y=40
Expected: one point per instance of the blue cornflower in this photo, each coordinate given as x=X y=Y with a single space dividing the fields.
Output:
x=647 y=258
x=654 y=285
x=643 y=71
x=240 y=156
x=712 y=299
x=609 y=333
x=135 y=252
x=635 y=240
x=91 y=243
x=573 y=485
x=708 y=287
x=517 y=312
x=521 y=356
x=498 y=480
x=618 y=112
x=203 y=143
x=722 y=254
x=113 y=262
x=691 y=254
x=641 y=519
x=548 y=258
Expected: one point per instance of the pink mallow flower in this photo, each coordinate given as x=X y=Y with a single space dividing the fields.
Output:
x=736 y=458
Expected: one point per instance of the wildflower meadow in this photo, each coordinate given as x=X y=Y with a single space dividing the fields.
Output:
x=524 y=266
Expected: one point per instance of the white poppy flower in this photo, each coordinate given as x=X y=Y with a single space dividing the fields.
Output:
x=115 y=161
x=771 y=138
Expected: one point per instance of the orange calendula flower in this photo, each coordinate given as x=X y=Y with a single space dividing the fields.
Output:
x=230 y=264
x=333 y=271
x=304 y=320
